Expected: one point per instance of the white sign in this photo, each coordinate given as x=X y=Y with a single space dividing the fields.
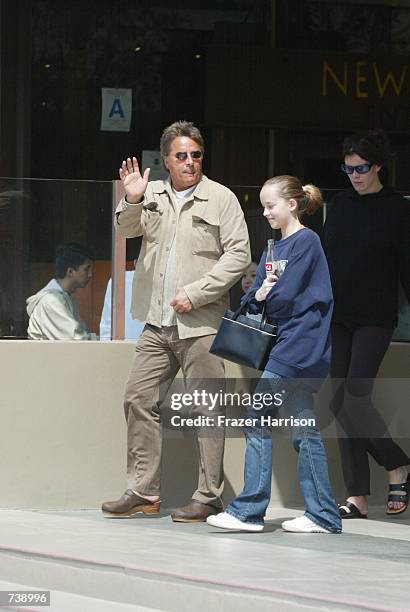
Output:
x=153 y=160
x=116 y=109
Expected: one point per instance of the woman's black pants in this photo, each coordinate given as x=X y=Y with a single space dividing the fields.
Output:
x=357 y=352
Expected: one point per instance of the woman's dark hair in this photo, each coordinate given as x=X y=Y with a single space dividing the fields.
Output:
x=373 y=146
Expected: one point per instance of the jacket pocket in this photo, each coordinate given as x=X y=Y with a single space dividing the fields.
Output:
x=152 y=224
x=206 y=236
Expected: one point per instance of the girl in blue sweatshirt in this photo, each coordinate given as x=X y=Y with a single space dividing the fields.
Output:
x=300 y=304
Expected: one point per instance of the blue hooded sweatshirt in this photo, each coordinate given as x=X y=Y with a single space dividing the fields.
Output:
x=300 y=304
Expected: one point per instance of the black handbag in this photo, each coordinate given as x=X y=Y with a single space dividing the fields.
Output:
x=244 y=340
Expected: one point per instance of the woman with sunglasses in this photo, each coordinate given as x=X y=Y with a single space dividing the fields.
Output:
x=367 y=240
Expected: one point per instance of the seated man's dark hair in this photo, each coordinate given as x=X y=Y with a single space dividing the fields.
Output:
x=70 y=255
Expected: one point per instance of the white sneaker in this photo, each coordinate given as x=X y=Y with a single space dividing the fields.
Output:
x=303 y=524
x=227 y=521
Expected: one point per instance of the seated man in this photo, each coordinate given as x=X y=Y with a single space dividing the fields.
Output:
x=53 y=311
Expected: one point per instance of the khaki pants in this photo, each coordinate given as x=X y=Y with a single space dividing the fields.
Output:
x=159 y=355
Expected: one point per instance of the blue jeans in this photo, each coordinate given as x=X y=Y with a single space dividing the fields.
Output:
x=250 y=505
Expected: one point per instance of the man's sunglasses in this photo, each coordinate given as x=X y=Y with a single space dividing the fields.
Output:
x=183 y=155
x=360 y=169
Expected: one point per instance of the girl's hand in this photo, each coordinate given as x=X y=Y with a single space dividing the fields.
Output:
x=269 y=282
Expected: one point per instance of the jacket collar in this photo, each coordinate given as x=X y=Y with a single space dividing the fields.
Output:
x=201 y=192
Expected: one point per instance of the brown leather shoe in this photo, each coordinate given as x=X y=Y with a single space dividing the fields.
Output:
x=129 y=504
x=194 y=512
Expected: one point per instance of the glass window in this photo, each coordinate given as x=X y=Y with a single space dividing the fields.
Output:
x=39 y=218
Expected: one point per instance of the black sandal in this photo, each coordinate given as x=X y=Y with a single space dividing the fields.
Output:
x=348 y=510
x=403 y=497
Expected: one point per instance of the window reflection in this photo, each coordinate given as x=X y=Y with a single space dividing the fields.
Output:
x=35 y=217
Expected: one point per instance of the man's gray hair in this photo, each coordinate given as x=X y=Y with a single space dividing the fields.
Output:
x=176 y=130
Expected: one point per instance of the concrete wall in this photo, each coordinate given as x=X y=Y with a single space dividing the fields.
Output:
x=62 y=434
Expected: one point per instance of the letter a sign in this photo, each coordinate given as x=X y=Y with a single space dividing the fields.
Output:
x=116 y=109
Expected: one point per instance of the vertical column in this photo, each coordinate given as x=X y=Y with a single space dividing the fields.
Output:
x=15 y=87
x=273 y=24
x=118 y=272
x=15 y=154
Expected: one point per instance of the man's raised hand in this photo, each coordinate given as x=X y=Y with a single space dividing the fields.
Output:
x=134 y=183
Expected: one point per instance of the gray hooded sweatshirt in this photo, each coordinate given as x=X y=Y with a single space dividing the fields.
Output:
x=54 y=315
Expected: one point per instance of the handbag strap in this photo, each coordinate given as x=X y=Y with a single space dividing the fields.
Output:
x=264 y=316
x=243 y=308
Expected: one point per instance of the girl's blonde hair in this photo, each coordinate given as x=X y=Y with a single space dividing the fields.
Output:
x=308 y=197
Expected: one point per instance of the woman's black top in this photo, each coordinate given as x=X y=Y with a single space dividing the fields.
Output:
x=367 y=243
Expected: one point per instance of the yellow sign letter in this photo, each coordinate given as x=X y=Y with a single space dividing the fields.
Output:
x=390 y=77
x=360 y=79
x=341 y=85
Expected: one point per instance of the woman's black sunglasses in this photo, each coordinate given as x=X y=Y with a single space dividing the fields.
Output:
x=360 y=169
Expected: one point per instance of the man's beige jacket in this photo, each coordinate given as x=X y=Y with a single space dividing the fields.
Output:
x=212 y=252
